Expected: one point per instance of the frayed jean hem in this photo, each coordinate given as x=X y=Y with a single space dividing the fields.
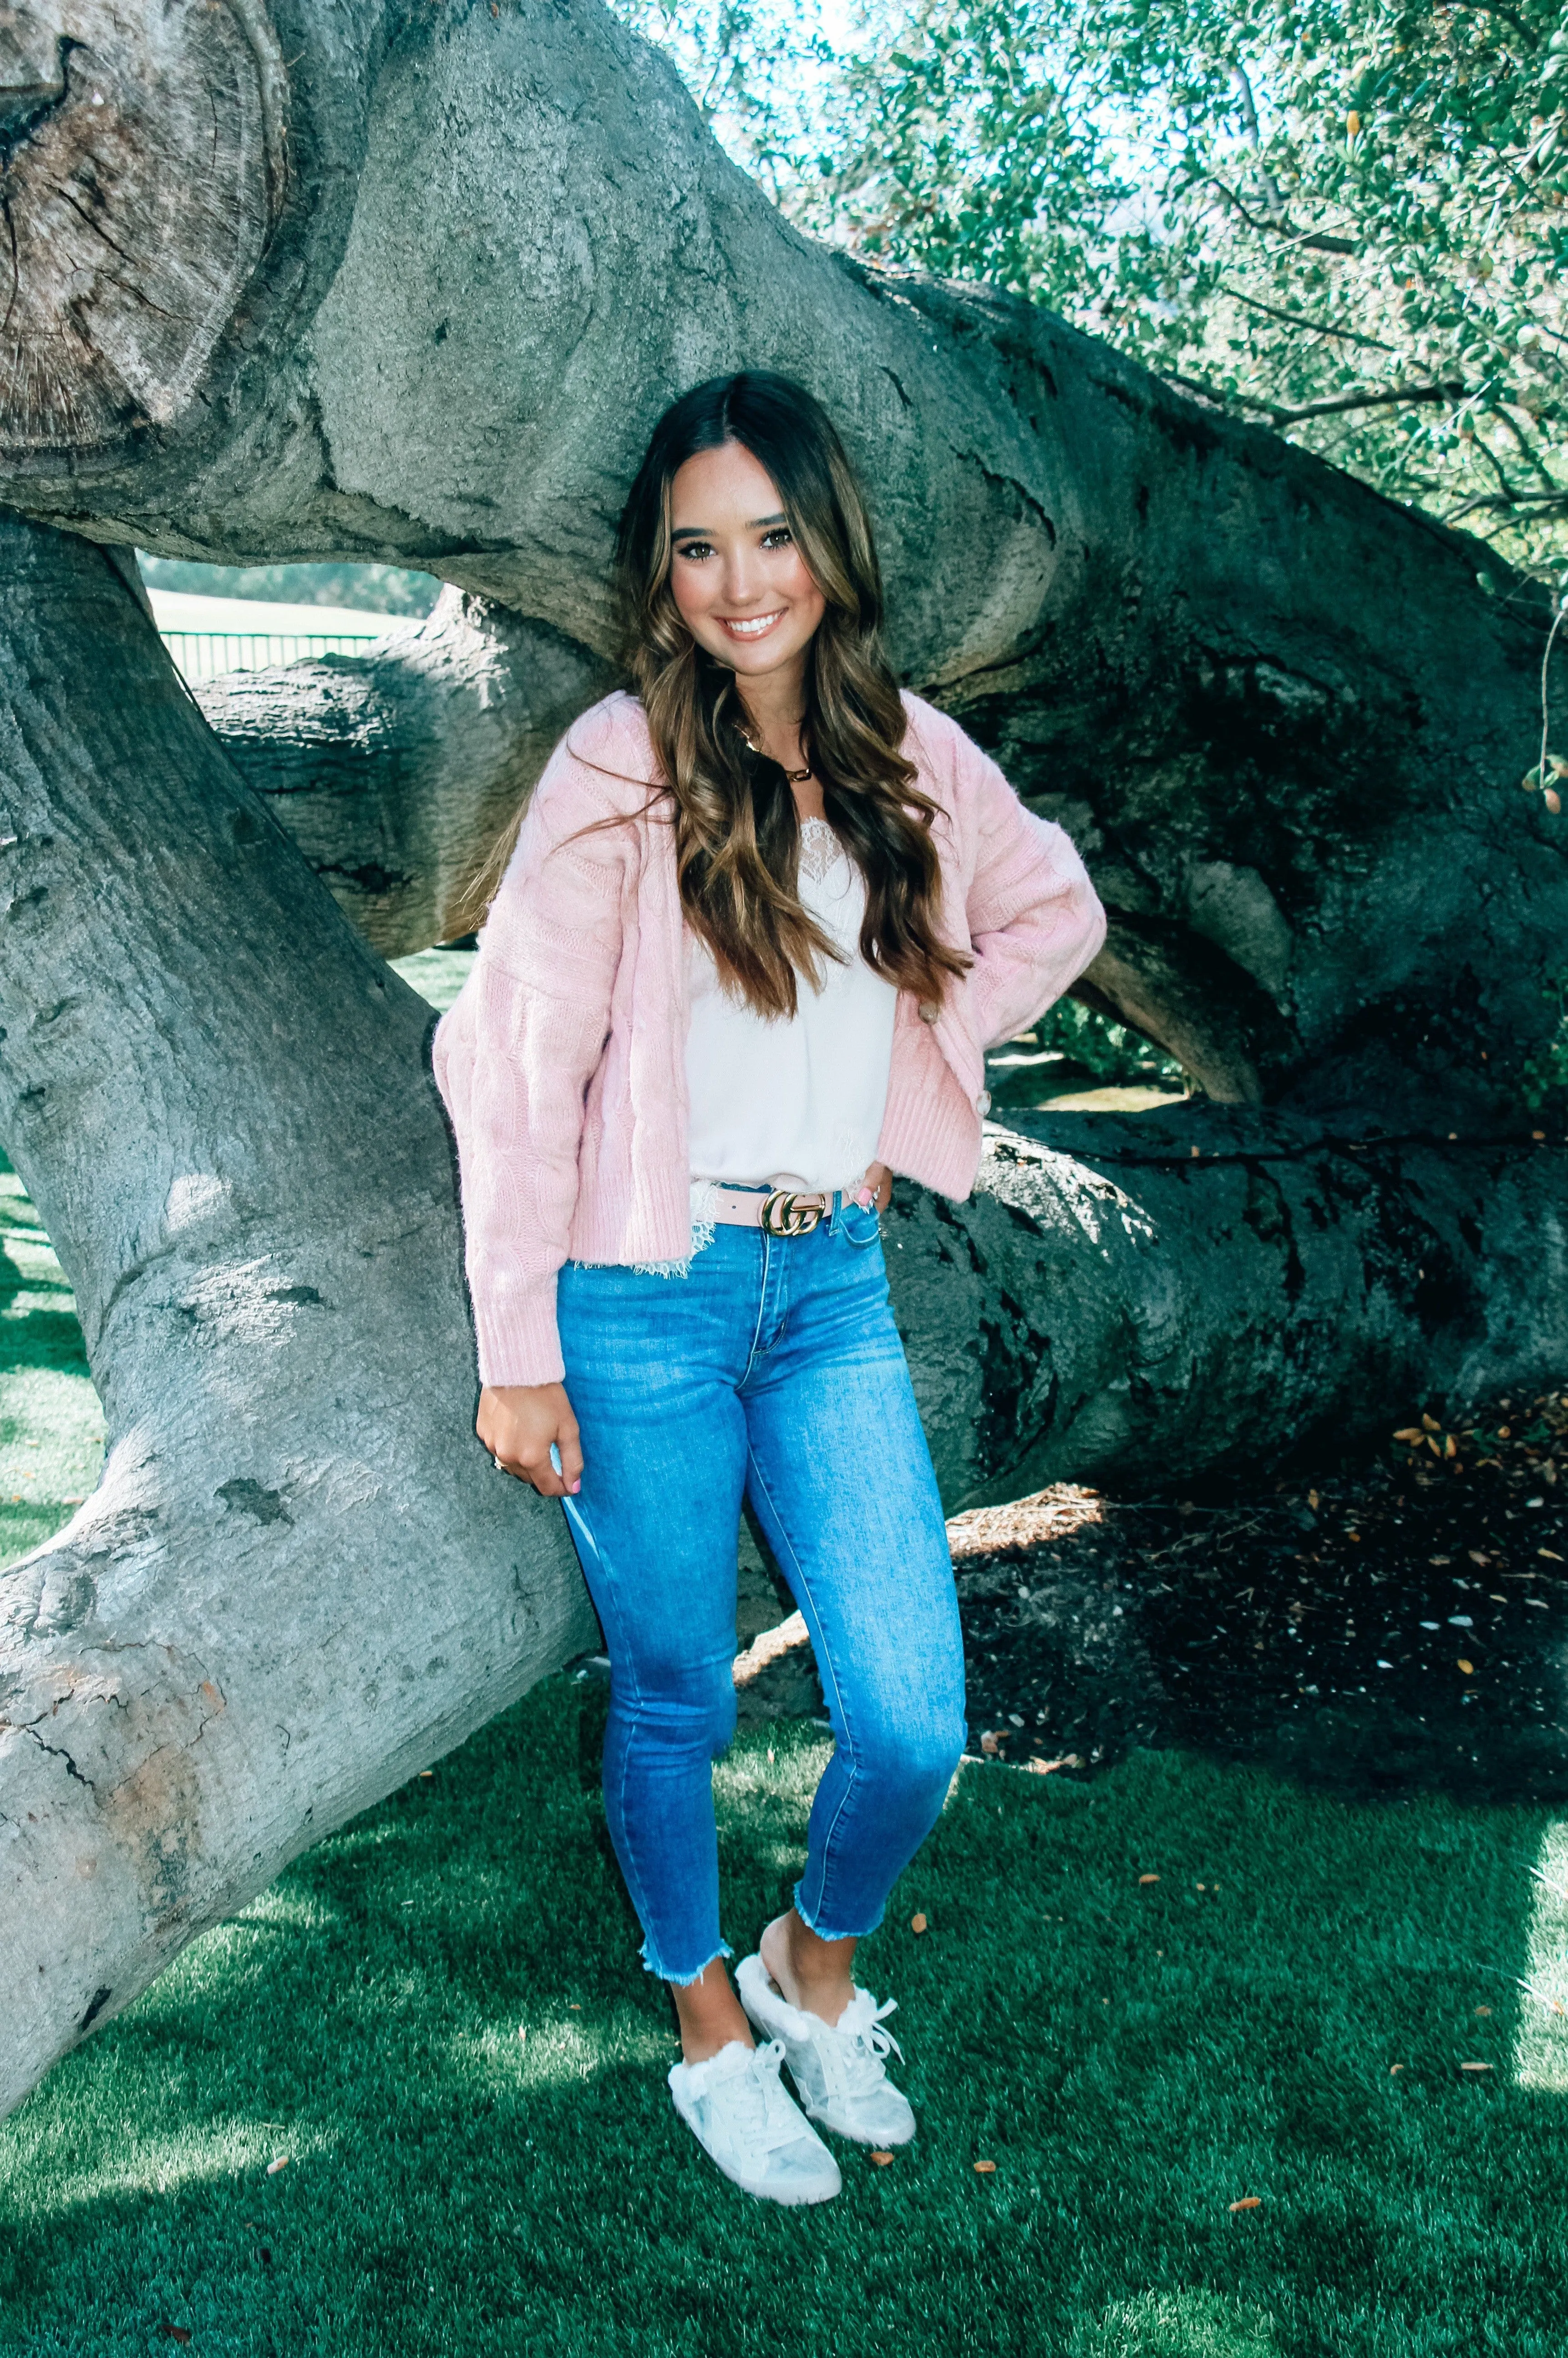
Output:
x=858 y=1933
x=684 y=1981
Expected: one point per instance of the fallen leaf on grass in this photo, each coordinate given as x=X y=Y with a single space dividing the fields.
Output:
x=1248 y=2202
x=1483 y=2009
x=1396 y=2067
x=1148 y=1878
x=177 y=2332
x=882 y=2159
x=918 y=1923
x=989 y=1742
x=1475 y=2067
x=1039 y=1767
x=1553 y=1557
x=1469 y=1668
x=280 y=2161
x=984 y=2169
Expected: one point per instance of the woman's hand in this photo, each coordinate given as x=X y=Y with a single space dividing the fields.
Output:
x=517 y=1423
x=879 y=1179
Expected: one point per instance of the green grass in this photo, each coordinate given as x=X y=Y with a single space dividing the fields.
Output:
x=1134 y=2058
x=51 y=1427
x=435 y=975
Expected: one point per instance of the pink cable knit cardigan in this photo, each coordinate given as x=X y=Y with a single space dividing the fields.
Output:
x=563 y=1062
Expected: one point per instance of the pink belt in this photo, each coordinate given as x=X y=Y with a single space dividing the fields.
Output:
x=781 y=1212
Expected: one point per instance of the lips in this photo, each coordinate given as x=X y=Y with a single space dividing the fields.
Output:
x=751 y=626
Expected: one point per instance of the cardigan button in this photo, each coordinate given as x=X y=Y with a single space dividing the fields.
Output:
x=929 y=1011
x=983 y=1102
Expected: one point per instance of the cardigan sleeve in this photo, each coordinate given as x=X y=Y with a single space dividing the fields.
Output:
x=515 y=1054
x=1035 y=921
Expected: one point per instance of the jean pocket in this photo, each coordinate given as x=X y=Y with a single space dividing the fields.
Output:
x=861 y=1224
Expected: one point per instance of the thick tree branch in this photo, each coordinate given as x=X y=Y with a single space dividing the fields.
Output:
x=300 y=1576
x=1257 y=693
x=400 y=773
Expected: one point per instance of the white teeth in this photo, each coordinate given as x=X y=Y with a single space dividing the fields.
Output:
x=754 y=625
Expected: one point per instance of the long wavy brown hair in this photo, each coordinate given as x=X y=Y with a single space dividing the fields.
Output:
x=737 y=839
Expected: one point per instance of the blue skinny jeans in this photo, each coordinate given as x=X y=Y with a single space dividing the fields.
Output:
x=772 y=1369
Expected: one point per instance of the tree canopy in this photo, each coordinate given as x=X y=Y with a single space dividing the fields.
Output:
x=1347 y=219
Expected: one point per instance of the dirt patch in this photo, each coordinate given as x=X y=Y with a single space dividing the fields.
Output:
x=1391 y=1621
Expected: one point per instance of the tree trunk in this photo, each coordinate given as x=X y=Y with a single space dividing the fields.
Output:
x=1279 y=717
x=300 y=1577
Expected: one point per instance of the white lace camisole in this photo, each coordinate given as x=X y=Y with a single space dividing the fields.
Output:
x=797 y=1103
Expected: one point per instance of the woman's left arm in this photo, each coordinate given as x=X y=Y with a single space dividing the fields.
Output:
x=1035 y=921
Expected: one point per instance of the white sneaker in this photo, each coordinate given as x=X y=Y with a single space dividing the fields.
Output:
x=746 y=2121
x=837 y=2068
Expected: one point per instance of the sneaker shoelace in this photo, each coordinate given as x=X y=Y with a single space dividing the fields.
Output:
x=759 y=2108
x=862 y=2045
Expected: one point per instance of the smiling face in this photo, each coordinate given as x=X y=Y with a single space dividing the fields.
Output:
x=739 y=581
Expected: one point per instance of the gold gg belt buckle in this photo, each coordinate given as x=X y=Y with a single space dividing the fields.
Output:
x=784 y=1214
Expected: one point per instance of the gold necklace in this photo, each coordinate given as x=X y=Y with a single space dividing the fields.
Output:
x=794 y=776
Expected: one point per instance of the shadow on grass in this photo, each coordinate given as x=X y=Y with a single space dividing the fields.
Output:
x=1146 y=1998
x=1134 y=2057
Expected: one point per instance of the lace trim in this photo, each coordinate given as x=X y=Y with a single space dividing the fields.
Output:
x=820 y=848
x=701 y=1236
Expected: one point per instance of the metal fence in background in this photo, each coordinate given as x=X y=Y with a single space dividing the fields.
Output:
x=203 y=655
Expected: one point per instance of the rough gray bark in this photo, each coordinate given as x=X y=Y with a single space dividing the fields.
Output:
x=167 y=124
x=399 y=772
x=1138 y=1299
x=300 y=1577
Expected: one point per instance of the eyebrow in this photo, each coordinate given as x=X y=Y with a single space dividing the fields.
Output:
x=705 y=532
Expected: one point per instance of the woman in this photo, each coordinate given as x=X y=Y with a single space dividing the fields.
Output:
x=761 y=921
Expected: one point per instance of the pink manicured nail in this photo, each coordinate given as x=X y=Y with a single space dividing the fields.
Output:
x=576 y=1487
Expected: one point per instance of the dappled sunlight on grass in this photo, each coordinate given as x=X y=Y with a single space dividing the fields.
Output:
x=781 y=1775
x=1540 y=2041
x=144 y=2164
x=1181 y=2325
x=51 y=1425
x=1136 y=2058
x=557 y=2053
